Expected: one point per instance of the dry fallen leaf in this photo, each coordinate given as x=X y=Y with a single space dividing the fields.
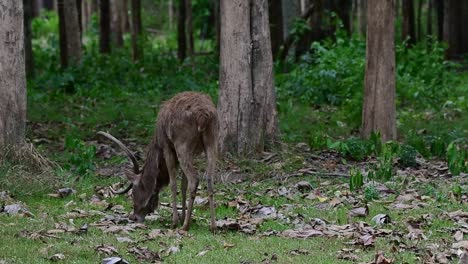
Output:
x=106 y=249
x=57 y=257
x=302 y=234
x=359 y=212
x=227 y=245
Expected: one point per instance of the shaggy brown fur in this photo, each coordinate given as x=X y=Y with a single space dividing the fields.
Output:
x=186 y=125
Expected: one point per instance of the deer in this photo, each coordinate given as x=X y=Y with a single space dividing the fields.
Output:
x=186 y=126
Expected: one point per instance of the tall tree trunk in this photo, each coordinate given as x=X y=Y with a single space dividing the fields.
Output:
x=439 y=5
x=80 y=16
x=125 y=20
x=408 y=31
x=137 y=51
x=247 y=103
x=181 y=37
x=94 y=6
x=362 y=16
x=104 y=27
x=170 y=11
x=189 y=27
x=291 y=11
x=49 y=4
x=117 y=25
x=343 y=9
x=35 y=8
x=12 y=75
x=429 y=17
x=379 y=113
x=70 y=42
x=276 y=26
x=28 y=8
x=455 y=32
x=419 y=20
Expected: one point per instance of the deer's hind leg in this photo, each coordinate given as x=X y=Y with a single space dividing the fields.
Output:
x=171 y=164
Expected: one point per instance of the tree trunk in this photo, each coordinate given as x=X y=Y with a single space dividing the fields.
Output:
x=429 y=17
x=439 y=5
x=455 y=32
x=343 y=9
x=419 y=20
x=170 y=11
x=117 y=25
x=49 y=4
x=247 y=103
x=181 y=37
x=125 y=20
x=408 y=31
x=137 y=51
x=362 y=16
x=276 y=26
x=189 y=27
x=94 y=6
x=291 y=11
x=29 y=58
x=70 y=42
x=104 y=27
x=80 y=16
x=35 y=8
x=12 y=75
x=379 y=113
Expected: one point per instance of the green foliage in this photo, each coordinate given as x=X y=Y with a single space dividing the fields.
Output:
x=407 y=156
x=456 y=158
x=81 y=156
x=383 y=170
x=371 y=193
x=356 y=179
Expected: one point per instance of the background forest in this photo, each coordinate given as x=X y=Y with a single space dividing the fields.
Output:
x=319 y=193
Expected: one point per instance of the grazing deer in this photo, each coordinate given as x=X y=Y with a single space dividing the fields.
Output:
x=186 y=125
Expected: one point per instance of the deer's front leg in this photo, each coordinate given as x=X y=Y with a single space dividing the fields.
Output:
x=172 y=170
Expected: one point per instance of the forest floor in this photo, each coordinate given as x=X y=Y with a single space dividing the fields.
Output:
x=290 y=205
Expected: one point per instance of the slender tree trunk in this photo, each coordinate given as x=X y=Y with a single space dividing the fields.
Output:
x=27 y=5
x=70 y=42
x=125 y=20
x=189 y=27
x=181 y=37
x=455 y=31
x=439 y=4
x=247 y=103
x=137 y=51
x=12 y=75
x=104 y=27
x=343 y=10
x=49 y=4
x=419 y=20
x=362 y=16
x=291 y=11
x=94 y=6
x=35 y=8
x=276 y=26
x=117 y=25
x=429 y=17
x=217 y=22
x=85 y=14
x=408 y=31
x=379 y=113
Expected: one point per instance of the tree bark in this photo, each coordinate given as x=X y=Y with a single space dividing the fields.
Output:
x=189 y=27
x=362 y=16
x=35 y=8
x=419 y=20
x=247 y=102
x=125 y=20
x=439 y=5
x=117 y=25
x=137 y=51
x=408 y=31
x=181 y=37
x=276 y=26
x=29 y=57
x=12 y=75
x=343 y=9
x=49 y=4
x=291 y=11
x=429 y=17
x=455 y=32
x=104 y=27
x=70 y=42
x=379 y=113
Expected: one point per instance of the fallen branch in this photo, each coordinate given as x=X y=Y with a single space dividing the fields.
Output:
x=320 y=174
